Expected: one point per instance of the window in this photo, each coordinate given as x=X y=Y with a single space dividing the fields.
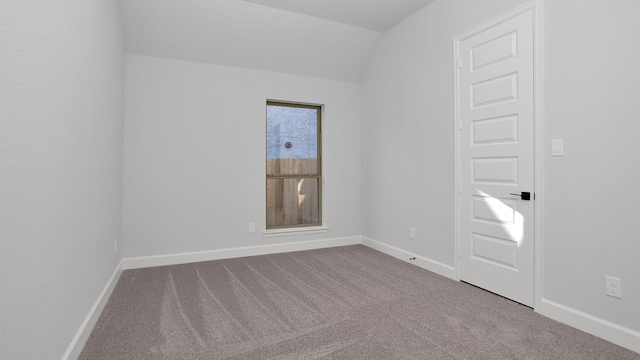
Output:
x=293 y=165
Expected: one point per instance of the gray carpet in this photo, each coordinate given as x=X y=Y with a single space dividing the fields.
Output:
x=340 y=303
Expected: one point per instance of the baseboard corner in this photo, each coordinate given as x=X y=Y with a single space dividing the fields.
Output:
x=420 y=261
x=75 y=348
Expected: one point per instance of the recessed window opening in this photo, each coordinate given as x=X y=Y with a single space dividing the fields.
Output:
x=293 y=165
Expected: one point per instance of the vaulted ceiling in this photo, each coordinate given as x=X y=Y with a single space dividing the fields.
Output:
x=331 y=39
x=378 y=15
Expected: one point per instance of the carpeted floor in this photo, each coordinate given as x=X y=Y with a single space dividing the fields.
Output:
x=340 y=303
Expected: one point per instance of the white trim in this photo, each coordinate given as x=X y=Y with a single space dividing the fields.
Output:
x=604 y=329
x=75 y=348
x=295 y=231
x=197 y=256
x=457 y=186
x=538 y=142
x=420 y=261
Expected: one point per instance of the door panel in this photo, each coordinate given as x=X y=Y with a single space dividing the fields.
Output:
x=495 y=91
x=494 y=250
x=494 y=130
x=495 y=170
x=495 y=107
x=494 y=51
x=501 y=211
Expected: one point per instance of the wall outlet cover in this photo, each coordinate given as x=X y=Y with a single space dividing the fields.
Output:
x=613 y=287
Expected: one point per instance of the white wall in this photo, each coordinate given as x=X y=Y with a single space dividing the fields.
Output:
x=195 y=152
x=591 y=95
x=592 y=200
x=61 y=101
x=408 y=132
x=194 y=155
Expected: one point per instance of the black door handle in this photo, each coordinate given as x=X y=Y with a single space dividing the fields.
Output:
x=525 y=195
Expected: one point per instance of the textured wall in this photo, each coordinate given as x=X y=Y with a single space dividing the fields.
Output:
x=194 y=168
x=61 y=101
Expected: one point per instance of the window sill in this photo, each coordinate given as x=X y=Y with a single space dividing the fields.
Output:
x=295 y=231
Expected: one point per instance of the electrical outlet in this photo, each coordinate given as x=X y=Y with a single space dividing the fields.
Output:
x=412 y=233
x=252 y=227
x=614 y=287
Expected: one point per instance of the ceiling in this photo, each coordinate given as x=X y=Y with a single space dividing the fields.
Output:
x=332 y=39
x=378 y=15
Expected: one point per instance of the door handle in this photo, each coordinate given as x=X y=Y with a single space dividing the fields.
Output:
x=525 y=195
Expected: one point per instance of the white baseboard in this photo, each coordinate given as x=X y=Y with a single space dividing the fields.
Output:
x=75 y=348
x=190 y=257
x=423 y=262
x=601 y=328
x=609 y=331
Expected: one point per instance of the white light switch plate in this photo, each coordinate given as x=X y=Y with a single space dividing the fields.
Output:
x=557 y=147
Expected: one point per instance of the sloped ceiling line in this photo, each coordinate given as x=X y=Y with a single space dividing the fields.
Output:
x=325 y=39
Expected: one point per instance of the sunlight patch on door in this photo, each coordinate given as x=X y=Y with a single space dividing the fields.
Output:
x=503 y=212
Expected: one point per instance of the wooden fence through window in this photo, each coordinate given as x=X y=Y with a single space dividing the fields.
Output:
x=292 y=201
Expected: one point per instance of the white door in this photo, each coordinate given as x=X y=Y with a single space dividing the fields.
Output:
x=496 y=148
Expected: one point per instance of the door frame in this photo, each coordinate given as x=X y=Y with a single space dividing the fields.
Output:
x=538 y=140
